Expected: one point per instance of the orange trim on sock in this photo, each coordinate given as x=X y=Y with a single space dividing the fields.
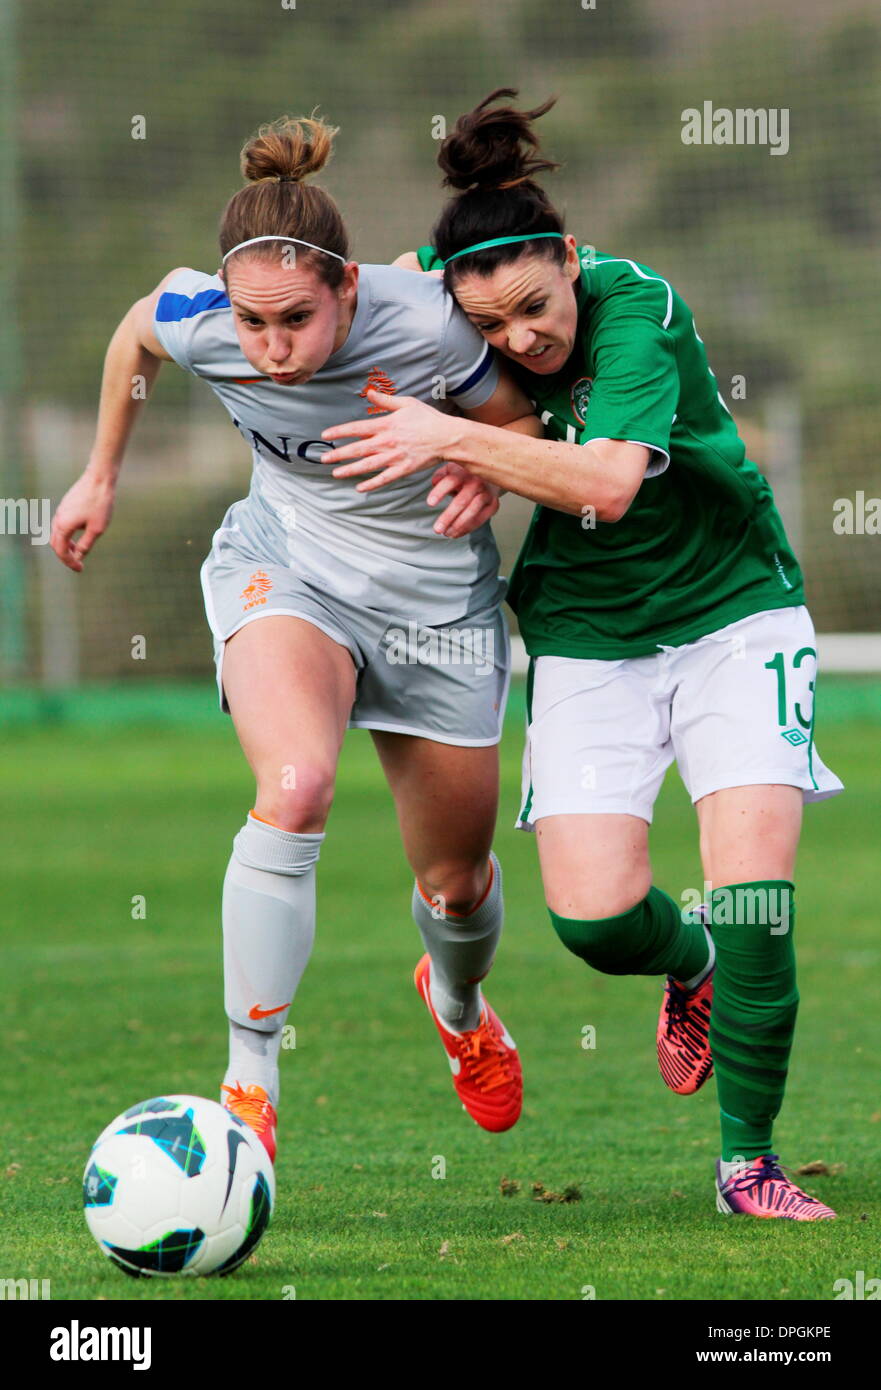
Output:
x=448 y=912
x=265 y=821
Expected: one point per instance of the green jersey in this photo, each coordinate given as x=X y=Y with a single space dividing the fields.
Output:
x=702 y=544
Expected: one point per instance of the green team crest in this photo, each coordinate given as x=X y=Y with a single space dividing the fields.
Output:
x=580 y=397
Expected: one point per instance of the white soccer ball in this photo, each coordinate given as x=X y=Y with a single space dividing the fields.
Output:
x=178 y=1185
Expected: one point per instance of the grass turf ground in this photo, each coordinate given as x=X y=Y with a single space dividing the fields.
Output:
x=103 y=1010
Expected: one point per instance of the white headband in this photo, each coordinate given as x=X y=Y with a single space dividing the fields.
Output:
x=297 y=239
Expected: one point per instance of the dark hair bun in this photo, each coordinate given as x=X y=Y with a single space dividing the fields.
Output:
x=493 y=148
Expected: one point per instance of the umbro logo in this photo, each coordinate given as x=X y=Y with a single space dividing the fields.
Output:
x=794 y=736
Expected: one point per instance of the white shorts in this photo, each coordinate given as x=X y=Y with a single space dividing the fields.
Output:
x=734 y=708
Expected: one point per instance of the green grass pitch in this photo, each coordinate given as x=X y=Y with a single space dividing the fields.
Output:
x=102 y=1010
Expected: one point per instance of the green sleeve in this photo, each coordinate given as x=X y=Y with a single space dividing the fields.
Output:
x=635 y=388
x=429 y=259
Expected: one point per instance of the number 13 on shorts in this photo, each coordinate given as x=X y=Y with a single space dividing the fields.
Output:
x=802 y=709
x=750 y=720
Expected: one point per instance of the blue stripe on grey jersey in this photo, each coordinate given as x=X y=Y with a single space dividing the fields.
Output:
x=173 y=307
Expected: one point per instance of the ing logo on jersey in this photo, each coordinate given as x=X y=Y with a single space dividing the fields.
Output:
x=579 y=397
x=255 y=592
x=378 y=380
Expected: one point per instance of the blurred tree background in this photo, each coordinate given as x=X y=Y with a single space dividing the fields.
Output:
x=777 y=255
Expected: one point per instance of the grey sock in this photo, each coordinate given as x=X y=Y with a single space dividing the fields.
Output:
x=461 y=950
x=268 y=931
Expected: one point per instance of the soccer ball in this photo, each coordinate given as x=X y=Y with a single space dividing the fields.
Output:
x=178 y=1185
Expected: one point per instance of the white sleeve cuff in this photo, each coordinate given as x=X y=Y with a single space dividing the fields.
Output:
x=659 y=459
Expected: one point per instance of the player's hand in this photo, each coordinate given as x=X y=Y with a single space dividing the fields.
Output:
x=412 y=436
x=87 y=506
x=473 y=500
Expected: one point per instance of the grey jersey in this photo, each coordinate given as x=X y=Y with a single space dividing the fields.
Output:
x=376 y=549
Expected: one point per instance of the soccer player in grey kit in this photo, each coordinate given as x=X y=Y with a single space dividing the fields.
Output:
x=332 y=607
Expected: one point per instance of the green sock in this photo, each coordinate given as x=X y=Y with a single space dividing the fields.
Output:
x=649 y=939
x=755 y=1001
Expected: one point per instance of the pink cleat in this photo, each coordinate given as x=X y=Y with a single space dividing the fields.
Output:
x=761 y=1188
x=684 y=1055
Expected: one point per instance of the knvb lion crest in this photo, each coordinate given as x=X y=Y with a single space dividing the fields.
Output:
x=580 y=397
x=378 y=380
x=256 y=589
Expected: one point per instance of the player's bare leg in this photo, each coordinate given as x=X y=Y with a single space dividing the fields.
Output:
x=749 y=833
x=446 y=798
x=289 y=688
x=593 y=866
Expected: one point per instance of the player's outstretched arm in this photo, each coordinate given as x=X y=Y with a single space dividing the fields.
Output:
x=130 y=367
x=604 y=475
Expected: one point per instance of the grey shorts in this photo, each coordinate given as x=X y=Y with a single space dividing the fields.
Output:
x=445 y=683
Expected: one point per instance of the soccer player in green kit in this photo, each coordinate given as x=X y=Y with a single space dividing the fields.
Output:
x=663 y=611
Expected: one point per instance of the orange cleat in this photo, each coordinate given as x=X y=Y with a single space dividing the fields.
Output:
x=484 y=1062
x=252 y=1105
